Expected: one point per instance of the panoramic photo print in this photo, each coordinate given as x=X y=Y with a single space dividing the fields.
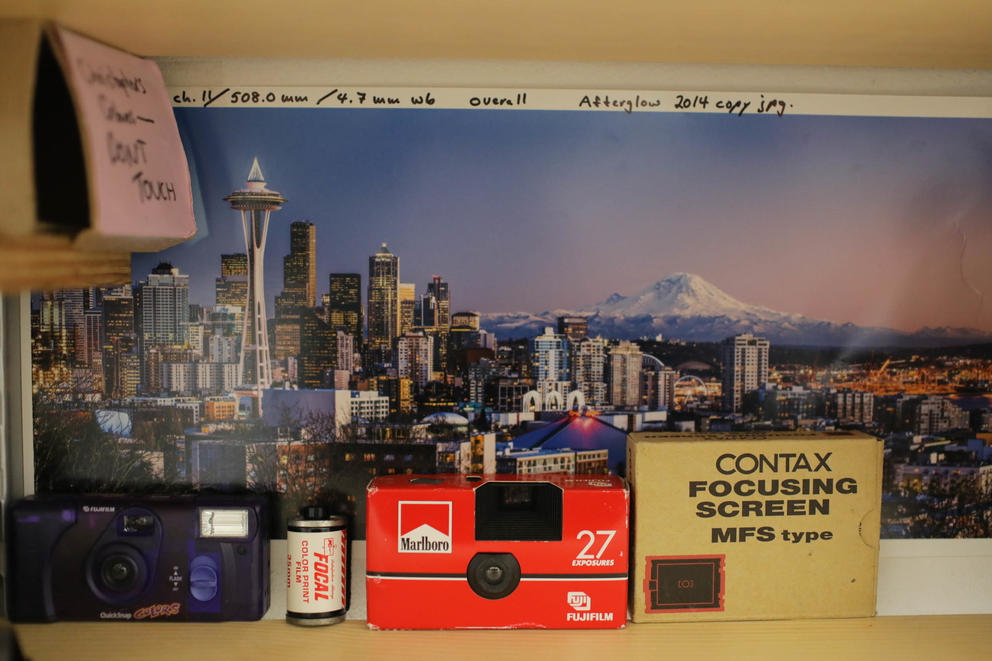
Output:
x=386 y=290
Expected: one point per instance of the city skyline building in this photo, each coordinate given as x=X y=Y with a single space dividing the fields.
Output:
x=624 y=375
x=407 y=302
x=935 y=415
x=855 y=406
x=384 y=273
x=344 y=304
x=318 y=351
x=300 y=265
x=161 y=310
x=117 y=317
x=161 y=306
x=658 y=387
x=589 y=370
x=549 y=355
x=415 y=358
x=93 y=322
x=53 y=325
x=466 y=319
x=231 y=288
x=299 y=277
x=440 y=291
x=255 y=202
x=745 y=368
x=575 y=329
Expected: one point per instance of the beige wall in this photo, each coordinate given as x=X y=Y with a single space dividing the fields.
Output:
x=903 y=33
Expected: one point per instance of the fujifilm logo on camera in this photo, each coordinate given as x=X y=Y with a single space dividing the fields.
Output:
x=424 y=526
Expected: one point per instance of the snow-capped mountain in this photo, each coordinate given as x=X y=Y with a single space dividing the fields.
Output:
x=686 y=306
x=681 y=295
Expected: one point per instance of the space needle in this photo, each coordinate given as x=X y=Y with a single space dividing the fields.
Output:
x=255 y=202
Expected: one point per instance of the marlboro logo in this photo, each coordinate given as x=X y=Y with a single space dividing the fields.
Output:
x=425 y=526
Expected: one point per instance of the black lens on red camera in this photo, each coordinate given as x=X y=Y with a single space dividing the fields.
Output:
x=493 y=575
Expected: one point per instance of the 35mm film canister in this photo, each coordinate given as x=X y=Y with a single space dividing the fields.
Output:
x=316 y=568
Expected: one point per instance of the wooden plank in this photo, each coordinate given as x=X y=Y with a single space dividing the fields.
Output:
x=919 y=637
x=50 y=262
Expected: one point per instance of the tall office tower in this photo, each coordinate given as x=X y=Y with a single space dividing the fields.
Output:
x=161 y=309
x=161 y=306
x=407 y=301
x=415 y=358
x=117 y=338
x=255 y=202
x=466 y=320
x=426 y=313
x=318 y=355
x=344 y=304
x=52 y=325
x=93 y=347
x=118 y=318
x=745 y=368
x=299 y=277
x=480 y=374
x=231 y=288
x=384 y=275
x=575 y=329
x=93 y=323
x=286 y=336
x=438 y=288
x=300 y=265
x=624 y=375
x=589 y=370
x=399 y=391
x=121 y=367
x=549 y=356
x=75 y=324
x=92 y=297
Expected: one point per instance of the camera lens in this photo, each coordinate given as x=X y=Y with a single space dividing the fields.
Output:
x=119 y=572
x=493 y=575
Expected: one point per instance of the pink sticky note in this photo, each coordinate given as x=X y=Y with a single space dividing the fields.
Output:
x=139 y=185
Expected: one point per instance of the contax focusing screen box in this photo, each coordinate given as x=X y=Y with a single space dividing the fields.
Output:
x=754 y=526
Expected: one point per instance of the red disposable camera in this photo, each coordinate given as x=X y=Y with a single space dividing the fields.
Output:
x=497 y=552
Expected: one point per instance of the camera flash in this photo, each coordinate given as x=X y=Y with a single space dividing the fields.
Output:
x=223 y=523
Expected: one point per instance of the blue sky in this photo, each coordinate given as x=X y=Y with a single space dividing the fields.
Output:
x=879 y=221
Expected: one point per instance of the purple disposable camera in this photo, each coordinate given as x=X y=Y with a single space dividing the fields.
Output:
x=203 y=557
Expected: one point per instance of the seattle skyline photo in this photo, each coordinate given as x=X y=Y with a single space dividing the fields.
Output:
x=876 y=221
x=383 y=291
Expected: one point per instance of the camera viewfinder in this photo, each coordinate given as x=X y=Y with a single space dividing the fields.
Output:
x=138 y=524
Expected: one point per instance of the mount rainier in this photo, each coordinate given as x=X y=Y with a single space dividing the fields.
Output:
x=686 y=306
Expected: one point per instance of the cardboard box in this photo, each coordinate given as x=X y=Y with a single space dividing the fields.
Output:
x=754 y=526
x=497 y=552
